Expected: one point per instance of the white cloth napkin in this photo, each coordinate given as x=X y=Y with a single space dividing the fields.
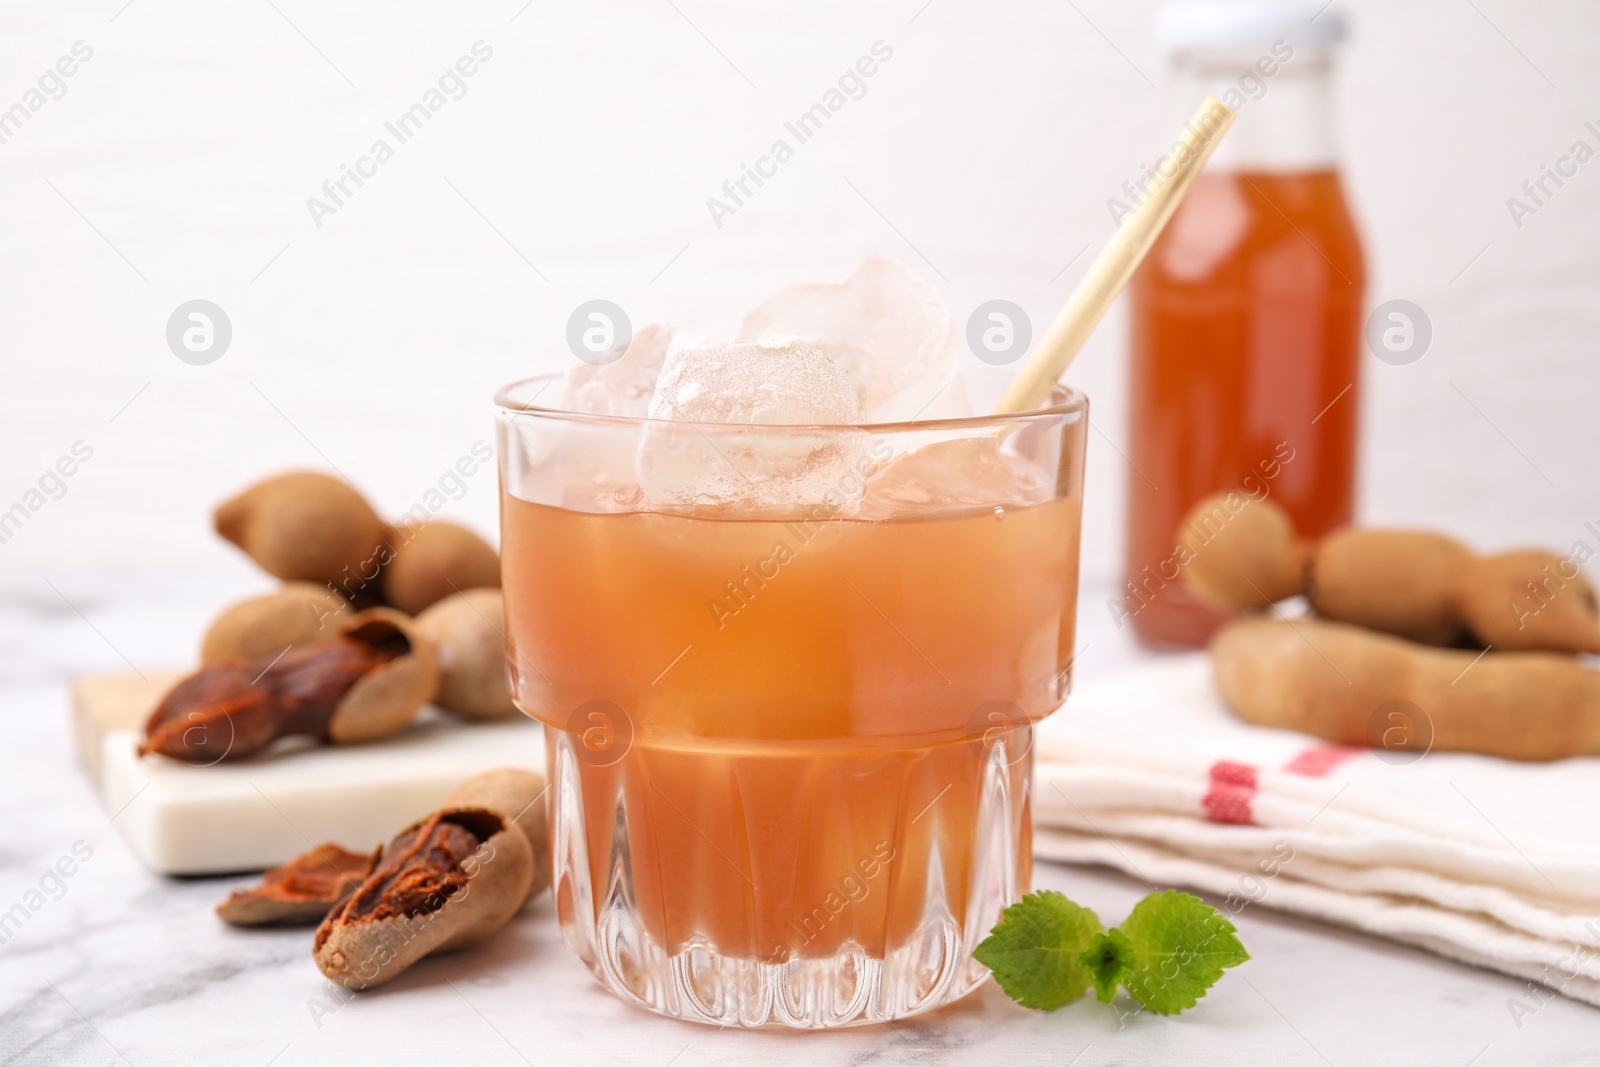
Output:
x=1487 y=861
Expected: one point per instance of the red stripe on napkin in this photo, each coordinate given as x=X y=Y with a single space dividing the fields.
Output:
x=1318 y=760
x=1233 y=786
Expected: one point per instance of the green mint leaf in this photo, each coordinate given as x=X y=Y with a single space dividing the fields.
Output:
x=1180 y=945
x=1109 y=961
x=1035 y=950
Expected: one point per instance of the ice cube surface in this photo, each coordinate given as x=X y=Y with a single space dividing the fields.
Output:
x=587 y=466
x=793 y=384
x=889 y=330
x=703 y=455
x=624 y=385
x=955 y=474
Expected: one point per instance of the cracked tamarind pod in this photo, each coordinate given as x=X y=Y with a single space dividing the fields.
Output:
x=307 y=526
x=303 y=890
x=1422 y=586
x=366 y=682
x=432 y=560
x=295 y=615
x=1330 y=680
x=443 y=883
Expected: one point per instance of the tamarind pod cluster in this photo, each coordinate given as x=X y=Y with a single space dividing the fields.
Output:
x=367 y=680
x=465 y=630
x=303 y=526
x=1242 y=554
x=1331 y=679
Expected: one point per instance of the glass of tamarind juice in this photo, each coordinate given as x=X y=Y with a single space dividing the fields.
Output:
x=789 y=676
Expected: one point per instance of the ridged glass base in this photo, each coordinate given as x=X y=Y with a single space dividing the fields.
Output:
x=849 y=988
x=953 y=871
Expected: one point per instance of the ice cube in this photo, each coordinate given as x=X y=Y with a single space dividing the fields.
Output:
x=792 y=384
x=584 y=465
x=705 y=453
x=888 y=329
x=956 y=474
x=624 y=385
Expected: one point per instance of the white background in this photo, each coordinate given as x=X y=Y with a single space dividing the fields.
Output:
x=578 y=164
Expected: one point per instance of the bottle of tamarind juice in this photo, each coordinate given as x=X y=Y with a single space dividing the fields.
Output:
x=1246 y=315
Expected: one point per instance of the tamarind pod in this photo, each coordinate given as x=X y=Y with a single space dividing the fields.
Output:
x=297 y=614
x=445 y=882
x=367 y=680
x=1530 y=599
x=1403 y=582
x=304 y=526
x=519 y=796
x=431 y=560
x=1332 y=681
x=1241 y=553
x=468 y=633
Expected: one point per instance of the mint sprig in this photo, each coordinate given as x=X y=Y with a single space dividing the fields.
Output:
x=1047 y=951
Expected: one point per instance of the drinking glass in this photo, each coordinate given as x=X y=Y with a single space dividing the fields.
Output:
x=789 y=677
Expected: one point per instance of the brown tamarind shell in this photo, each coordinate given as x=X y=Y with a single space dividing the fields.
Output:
x=362 y=954
x=320 y=879
x=1530 y=599
x=432 y=560
x=1403 y=582
x=519 y=795
x=1330 y=680
x=390 y=695
x=468 y=634
x=1241 y=552
x=306 y=526
x=294 y=615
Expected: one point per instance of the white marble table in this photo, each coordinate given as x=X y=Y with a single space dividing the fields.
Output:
x=128 y=967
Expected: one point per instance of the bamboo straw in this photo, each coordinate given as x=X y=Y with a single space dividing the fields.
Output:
x=1116 y=263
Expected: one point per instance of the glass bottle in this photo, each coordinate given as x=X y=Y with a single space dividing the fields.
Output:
x=1246 y=315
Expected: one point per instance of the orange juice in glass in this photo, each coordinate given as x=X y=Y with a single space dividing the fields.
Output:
x=789 y=743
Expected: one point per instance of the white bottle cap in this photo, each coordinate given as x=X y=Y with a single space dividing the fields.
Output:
x=1235 y=25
